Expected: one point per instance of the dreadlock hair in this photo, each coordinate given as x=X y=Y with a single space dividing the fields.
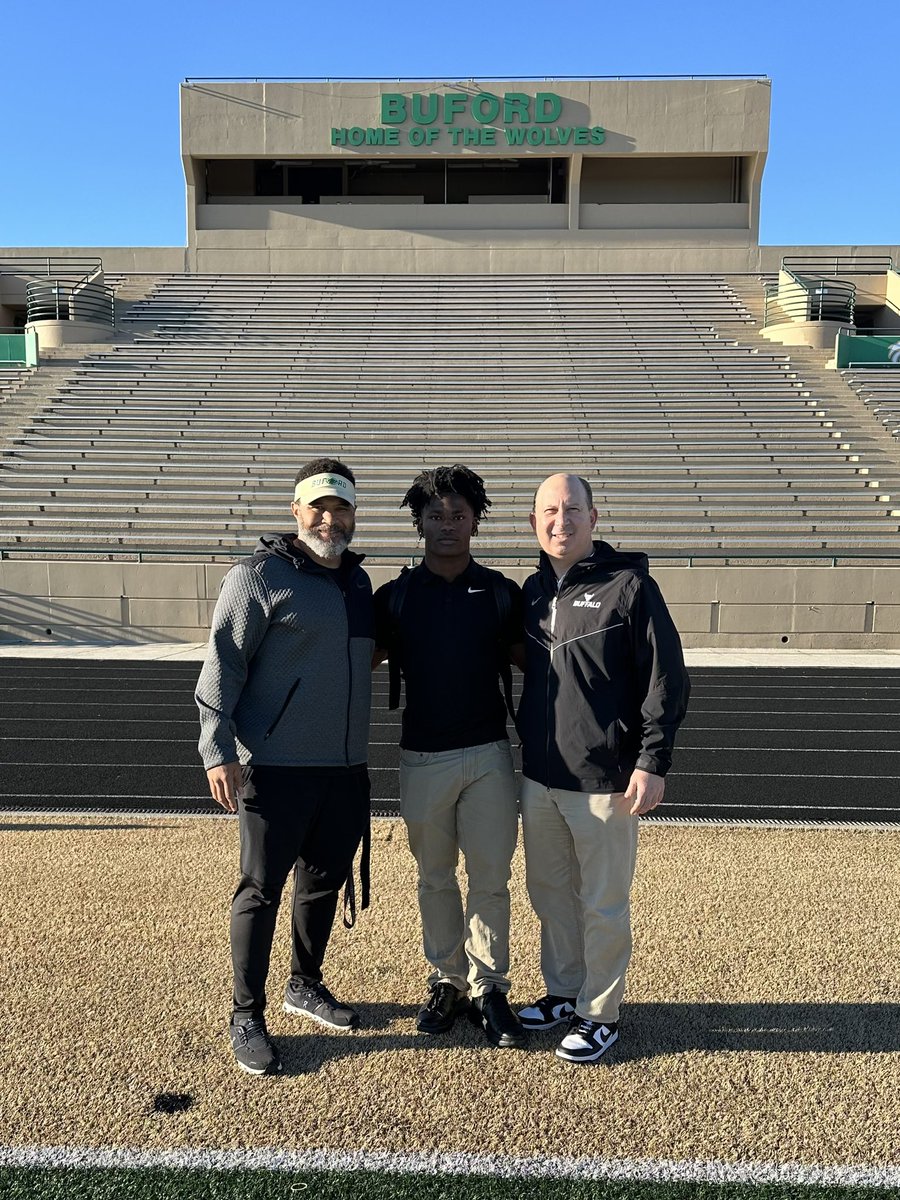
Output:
x=457 y=480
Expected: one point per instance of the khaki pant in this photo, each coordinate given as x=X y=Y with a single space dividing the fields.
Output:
x=452 y=801
x=580 y=852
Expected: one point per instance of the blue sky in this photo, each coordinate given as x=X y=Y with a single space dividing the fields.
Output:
x=90 y=150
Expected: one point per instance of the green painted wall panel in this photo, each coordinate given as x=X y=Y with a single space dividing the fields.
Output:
x=12 y=347
x=855 y=349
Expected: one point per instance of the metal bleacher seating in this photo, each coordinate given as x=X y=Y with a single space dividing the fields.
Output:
x=10 y=378
x=189 y=436
x=879 y=389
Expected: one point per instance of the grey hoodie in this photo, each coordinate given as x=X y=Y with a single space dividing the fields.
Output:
x=287 y=677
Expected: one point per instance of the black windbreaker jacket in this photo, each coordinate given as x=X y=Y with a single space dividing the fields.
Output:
x=605 y=682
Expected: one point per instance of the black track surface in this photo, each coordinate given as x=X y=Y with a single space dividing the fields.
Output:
x=759 y=744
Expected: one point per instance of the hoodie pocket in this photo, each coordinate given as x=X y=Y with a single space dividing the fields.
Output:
x=288 y=698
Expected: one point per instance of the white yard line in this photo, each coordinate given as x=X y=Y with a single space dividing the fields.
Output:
x=435 y=1163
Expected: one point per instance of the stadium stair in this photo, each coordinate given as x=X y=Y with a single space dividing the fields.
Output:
x=879 y=390
x=841 y=392
x=11 y=379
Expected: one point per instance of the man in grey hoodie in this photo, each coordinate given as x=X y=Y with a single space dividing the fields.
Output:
x=284 y=699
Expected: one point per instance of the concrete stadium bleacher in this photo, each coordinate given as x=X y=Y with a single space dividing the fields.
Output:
x=879 y=389
x=190 y=435
x=11 y=377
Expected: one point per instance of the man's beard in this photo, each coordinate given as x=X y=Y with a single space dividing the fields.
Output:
x=332 y=547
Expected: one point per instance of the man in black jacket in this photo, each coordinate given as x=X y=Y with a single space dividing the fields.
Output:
x=450 y=626
x=605 y=691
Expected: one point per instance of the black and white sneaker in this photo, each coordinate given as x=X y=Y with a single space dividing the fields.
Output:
x=547 y=1012
x=587 y=1040
x=314 y=1000
x=253 y=1047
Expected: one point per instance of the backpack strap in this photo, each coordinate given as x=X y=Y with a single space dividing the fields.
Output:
x=349 y=913
x=396 y=597
x=504 y=669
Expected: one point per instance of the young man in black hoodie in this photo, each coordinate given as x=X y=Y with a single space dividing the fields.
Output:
x=605 y=691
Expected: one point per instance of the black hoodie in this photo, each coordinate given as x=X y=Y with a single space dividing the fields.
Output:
x=605 y=682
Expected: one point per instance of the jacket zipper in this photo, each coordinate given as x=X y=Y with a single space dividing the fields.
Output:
x=346 y=597
x=349 y=689
x=344 y=594
x=549 y=673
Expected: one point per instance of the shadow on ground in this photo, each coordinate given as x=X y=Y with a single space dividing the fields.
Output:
x=862 y=1028
x=648 y=1031
x=36 y=827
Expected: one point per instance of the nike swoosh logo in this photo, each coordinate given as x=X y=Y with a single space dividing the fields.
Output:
x=474 y=591
x=534 y=602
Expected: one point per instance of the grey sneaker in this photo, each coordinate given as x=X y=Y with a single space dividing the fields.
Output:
x=253 y=1047
x=316 y=1002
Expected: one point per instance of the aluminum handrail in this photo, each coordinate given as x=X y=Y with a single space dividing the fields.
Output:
x=46 y=266
x=67 y=300
x=823 y=299
x=836 y=264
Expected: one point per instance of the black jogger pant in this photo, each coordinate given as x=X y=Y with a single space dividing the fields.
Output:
x=298 y=818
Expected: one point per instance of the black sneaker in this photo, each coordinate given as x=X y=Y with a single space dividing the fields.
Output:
x=441 y=1009
x=547 y=1012
x=314 y=1000
x=253 y=1047
x=501 y=1025
x=587 y=1040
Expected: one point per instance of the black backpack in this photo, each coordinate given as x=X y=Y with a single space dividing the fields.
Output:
x=397 y=596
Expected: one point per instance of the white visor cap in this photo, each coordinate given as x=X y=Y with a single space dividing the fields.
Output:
x=329 y=484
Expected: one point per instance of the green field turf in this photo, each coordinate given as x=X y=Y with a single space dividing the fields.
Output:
x=72 y=1183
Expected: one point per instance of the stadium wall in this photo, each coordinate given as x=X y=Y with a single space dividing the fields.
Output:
x=688 y=259
x=761 y=606
x=313 y=174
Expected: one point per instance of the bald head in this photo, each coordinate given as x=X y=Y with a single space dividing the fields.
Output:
x=563 y=519
x=564 y=475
